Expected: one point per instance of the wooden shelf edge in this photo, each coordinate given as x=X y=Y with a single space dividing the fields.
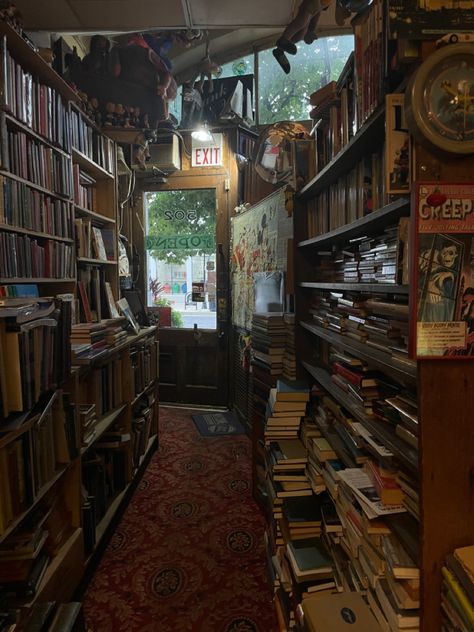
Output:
x=380 y=288
x=381 y=216
x=32 y=185
x=401 y=450
x=88 y=163
x=347 y=154
x=147 y=388
x=26 y=56
x=39 y=495
x=103 y=219
x=31 y=132
x=102 y=425
x=55 y=564
x=34 y=233
x=109 y=351
x=96 y=261
x=15 y=280
x=360 y=349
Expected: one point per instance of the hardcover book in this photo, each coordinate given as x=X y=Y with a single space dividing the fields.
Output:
x=397 y=146
x=443 y=271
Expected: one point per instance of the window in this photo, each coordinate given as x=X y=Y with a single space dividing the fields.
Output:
x=286 y=97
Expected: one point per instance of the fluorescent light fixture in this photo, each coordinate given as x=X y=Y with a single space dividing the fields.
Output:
x=202 y=133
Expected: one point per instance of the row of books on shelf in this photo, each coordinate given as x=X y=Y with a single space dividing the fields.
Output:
x=375 y=320
x=353 y=196
x=26 y=257
x=43 y=444
x=339 y=520
x=142 y=424
x=94 y=242
x=84 y=189
x=24 y=207
x=33 y=161
x=38 y=106
x=34 y=337
x=457 y=596
x=143 y=357
x=91 y=143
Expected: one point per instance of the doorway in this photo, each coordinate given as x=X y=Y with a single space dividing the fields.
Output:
x=186 y=272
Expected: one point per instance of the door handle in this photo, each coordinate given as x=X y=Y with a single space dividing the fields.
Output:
x=221 y=334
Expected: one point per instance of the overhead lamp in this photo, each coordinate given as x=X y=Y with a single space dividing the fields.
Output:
x=202 y=133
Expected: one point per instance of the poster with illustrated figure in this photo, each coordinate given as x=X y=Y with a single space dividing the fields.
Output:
x=444 y=270
x=259 y=244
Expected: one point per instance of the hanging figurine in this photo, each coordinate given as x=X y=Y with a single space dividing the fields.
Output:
x=302 y=27
x=206 y=70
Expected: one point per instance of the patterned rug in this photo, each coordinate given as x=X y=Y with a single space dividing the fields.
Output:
x=218 y=423
x=188 y=554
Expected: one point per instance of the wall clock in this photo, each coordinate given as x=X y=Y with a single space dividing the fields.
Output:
x=439 y=100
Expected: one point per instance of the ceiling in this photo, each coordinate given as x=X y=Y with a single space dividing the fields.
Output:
x=130 y=15
x=235 y=26
x=112 y=16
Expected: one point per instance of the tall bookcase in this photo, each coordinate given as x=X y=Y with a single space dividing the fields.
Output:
x=75 y=432
x=443 y=462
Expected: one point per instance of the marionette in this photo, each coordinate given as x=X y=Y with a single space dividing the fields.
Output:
x=302 y=27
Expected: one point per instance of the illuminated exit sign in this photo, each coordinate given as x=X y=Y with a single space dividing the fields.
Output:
x=207 y=153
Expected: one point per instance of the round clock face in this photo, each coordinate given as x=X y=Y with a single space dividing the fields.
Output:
x=440 y=100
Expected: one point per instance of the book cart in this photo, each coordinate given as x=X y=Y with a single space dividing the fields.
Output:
x=332 y=218
x=76 y=429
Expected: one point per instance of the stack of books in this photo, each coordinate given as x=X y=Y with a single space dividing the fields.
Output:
x=457 y=598
x=87 y=340
x=289 y=358
x=285 y=408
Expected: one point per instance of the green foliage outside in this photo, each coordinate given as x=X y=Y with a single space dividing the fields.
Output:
x=286 y=97
x=172 y=213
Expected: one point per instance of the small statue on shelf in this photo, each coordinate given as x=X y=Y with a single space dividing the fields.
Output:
x=136 y=119
x=119 y=119
x=129 y=116
x=110 y=115
x=10 y=13
x=96 y=113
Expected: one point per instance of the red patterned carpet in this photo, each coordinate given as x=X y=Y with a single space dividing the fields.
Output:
x=188 y=553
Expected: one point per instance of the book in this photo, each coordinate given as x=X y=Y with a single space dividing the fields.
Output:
x=309 y=558
x=98 y=244
x=124 y=307
x=291 y=391
x=337 y=612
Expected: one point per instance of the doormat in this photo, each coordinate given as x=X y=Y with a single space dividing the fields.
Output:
x=218 y=423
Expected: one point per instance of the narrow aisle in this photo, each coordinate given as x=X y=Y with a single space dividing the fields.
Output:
x=188 y=553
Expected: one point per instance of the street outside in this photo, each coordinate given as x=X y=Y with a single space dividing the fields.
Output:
x=194 y=313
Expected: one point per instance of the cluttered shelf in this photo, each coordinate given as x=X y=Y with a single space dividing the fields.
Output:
x=31 y=60
x=87 y=260
x=403 y=452
x=103 y=425
x=98 y=218
x=27 y=231
x=89 y=165
x=14 y=122
x=373 y=222
x=378 y=359
x=365 y=140
x=32 y=185
x=385 y=288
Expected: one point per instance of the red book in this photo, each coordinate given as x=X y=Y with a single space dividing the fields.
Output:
x=388 y=489
x=358 y=379
x=85 y=302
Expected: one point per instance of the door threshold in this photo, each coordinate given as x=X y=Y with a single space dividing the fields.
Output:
x=192 y=406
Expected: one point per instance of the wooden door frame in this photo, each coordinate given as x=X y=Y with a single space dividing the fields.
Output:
x=224 y=181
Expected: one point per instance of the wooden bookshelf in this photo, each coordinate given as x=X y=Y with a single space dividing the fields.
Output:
x=375 y=288
x=378 y=359
x=373 y=222
x=52 y=429
x=92 y=167
x=403 y=452
x=29 y=59
x=97 y=218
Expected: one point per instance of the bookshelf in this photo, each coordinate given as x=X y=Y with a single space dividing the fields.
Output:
x=76 y=431
x=438 y=460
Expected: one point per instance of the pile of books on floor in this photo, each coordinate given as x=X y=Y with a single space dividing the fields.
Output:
x=375 y=553
x=285 y=408
x=289 y=357
x=268 y=341
x=457 y=598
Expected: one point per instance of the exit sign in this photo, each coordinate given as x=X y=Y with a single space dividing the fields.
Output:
x=207 y=153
